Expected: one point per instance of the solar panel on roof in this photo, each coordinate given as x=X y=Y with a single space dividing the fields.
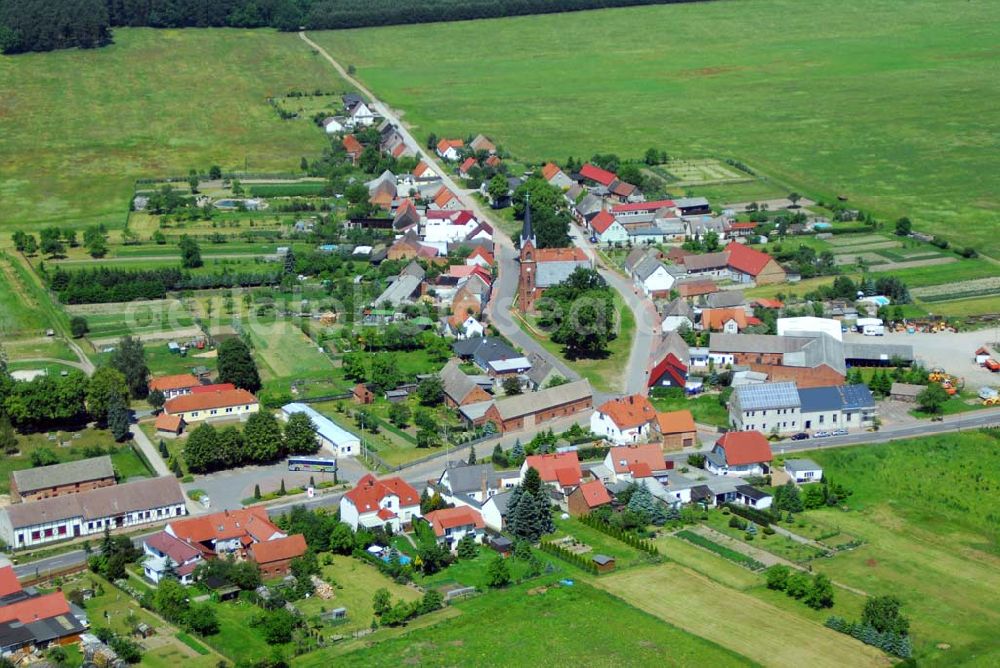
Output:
x=768 y=395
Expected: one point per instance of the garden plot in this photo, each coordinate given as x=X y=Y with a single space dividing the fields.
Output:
x=841 y=259
x=885 y=244
x=696 y=172
x=974 y=288
x=855 y=240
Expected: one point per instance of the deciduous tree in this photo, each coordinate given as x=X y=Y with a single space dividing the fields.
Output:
x=129 y=357
x=236 y=365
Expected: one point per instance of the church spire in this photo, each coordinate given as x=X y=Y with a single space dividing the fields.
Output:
x=527 y=234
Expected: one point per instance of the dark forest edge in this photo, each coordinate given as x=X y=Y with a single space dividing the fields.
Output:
x=46 y=25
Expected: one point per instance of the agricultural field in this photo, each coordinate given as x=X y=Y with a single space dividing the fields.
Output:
x=720 y=614
x=285 y=352
x=925 y=511
x=841 y=119
x=81 y=126
x=532 y=623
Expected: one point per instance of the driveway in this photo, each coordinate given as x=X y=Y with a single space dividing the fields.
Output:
x=953 y=352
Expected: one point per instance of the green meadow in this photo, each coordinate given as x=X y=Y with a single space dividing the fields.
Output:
x=892 y=104
x=926 y=511
x=80 y=126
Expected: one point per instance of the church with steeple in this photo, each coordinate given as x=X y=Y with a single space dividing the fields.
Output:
x=542 y=268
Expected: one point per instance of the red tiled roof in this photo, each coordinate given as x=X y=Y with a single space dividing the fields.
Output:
x=751 y=321
x=556 y=467
x=479 y=251
x=595 y=494
x=175 y=548
x=443 y=196
x=212 y=388
x=209 y=400
x=280 y=549
x=602 y=221
x=560 y=255
x=746 y=259
x=369 y=491
x=625 y=458
x=641 y=470
x=35 y=608
x=385 y=514
x=467 y=165
x=621 y=188
x=165 y=422
x=226 y=525
x=629 y=412
x=451 y=518
x=642 y=206
x=445 y=144
x=745 y=447
x=696 y=288
x=550 y=170
x=602 y=176
x=670 y=364
x=352 y=145
x=421 y=168
x=675 y=422
x=493 y=161
x=743 y=226
x=461 y=270
x=8 y=581
x=767 y=303
x=716 y=318
x=181 y=381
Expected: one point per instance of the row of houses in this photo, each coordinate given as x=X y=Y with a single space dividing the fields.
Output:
x=33 y=621
x=783 y=408
x=807 y=354
x=656 y=276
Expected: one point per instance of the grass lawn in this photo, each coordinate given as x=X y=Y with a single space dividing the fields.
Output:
x=763 y=632
x=125 y=460
x=625 y=555
x=285 y=352
x=705 y=408
x=930 y=539
x=534 y=625
x=782 y=546
x=82 y=125
x=847 y=80
x=356 y=582
x=236 y=639
x=52 y=348
x=604 y=373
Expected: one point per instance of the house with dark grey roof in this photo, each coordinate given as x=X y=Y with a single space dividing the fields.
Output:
x=478 y=482
x=46 y=482
x=838 y=407
x=675 y=314
x=492 y=355
x=725 y=299
x=782 y=408
x=89 y=513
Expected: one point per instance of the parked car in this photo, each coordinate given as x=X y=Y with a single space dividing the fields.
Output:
x=801 y=436
x=839 y=432
x=821 y=434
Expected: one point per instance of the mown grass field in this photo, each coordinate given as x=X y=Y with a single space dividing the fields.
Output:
x=889 y=103
x=762 y=632
x=81 y=126
x=926 y=509
x=534 y=625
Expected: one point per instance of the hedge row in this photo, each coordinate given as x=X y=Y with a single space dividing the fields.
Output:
x=892 y=643
x=620 y=534
x=577 y=560
x=721 y=550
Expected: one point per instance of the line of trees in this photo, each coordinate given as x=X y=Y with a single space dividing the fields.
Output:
x=103 y=285
x=45 y=25
x=262 y=441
